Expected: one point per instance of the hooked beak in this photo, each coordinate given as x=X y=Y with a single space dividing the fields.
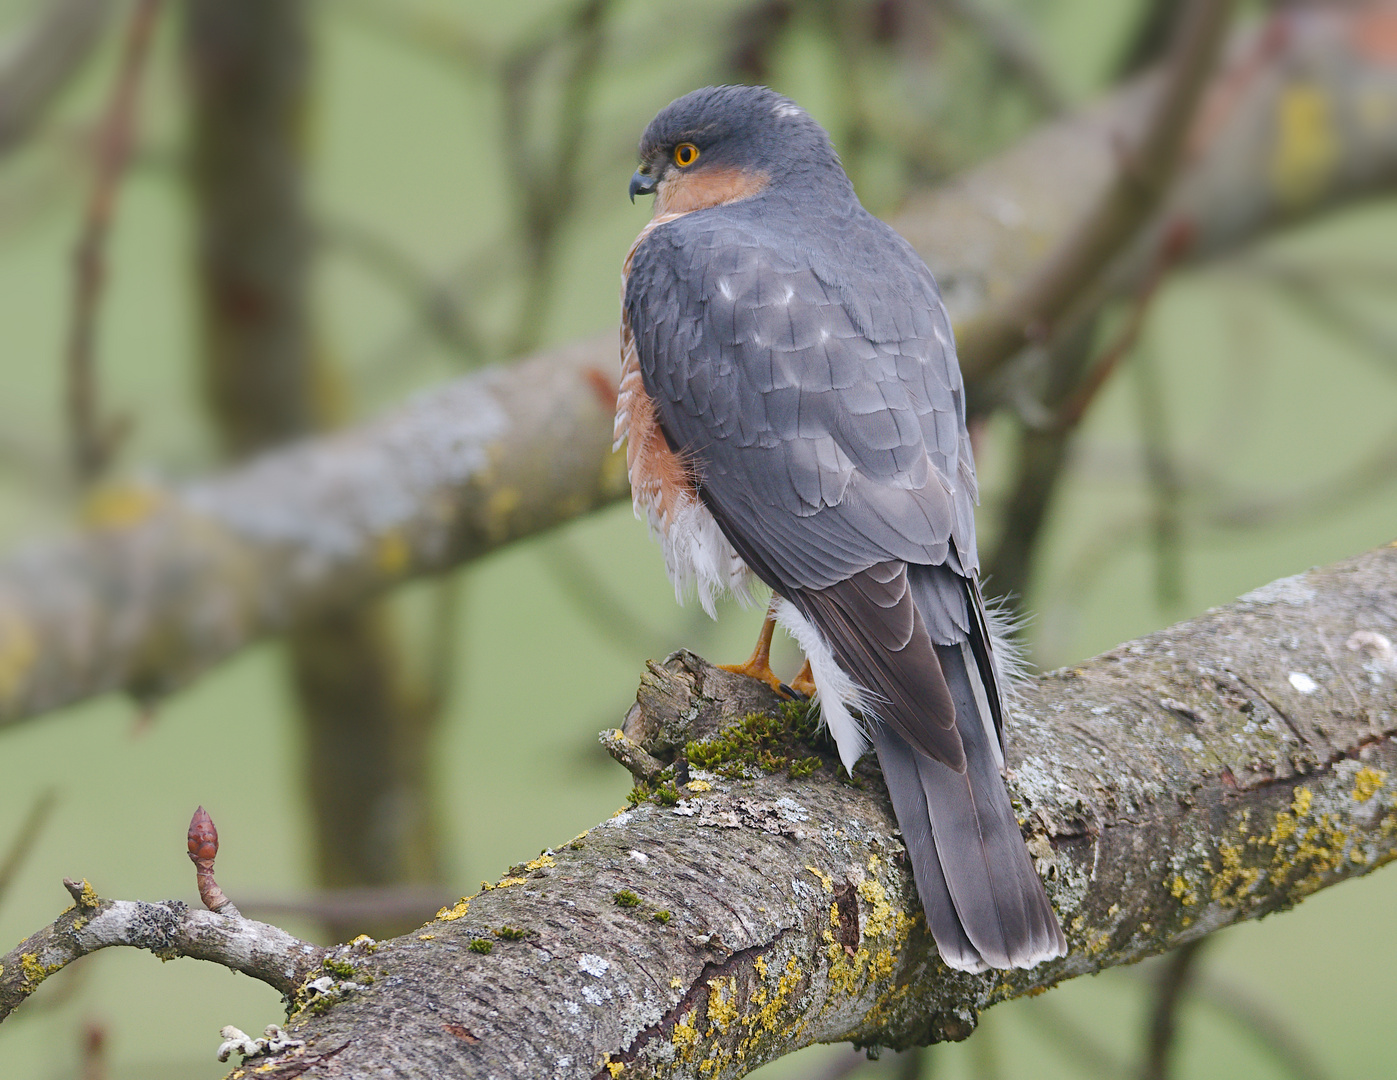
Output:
x=641 y=184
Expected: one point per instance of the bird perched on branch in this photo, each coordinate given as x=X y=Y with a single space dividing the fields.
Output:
x=793 y=411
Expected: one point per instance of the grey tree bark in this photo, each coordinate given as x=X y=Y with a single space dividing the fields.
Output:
x=1216 y=771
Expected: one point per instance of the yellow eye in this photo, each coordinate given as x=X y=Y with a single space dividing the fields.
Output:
x=685 y=154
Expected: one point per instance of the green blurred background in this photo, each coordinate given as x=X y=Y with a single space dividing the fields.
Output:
x=404 y=135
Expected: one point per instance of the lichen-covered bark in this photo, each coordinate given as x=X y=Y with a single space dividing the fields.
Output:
x=166 y=582
x=1216 y=771
x=168 y=929
x=169 y=582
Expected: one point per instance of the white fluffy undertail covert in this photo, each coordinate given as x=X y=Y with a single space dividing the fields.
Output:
x=836 y=692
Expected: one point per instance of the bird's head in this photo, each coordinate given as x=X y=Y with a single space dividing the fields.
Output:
x=725 y=143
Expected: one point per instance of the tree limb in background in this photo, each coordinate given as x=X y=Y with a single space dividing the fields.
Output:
x=39 y=64
x=1180 y=969
x=168 y=582
x=367 y=723
x=91 y=438
x=26 y=837
x=1220 y=770
x=1142 y=178
x=1013 y=49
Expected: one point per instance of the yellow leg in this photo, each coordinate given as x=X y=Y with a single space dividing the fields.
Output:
x=758 y=665
x=804 y=683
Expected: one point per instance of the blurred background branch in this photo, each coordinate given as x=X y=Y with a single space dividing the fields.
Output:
x=37 y=63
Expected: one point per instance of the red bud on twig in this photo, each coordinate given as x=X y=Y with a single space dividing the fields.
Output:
x=203 y=849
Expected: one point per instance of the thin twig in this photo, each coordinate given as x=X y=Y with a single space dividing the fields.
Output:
x=168 y=928
x=439 y=308
x=1013 y=49
x=43 y=60
x=92 y=438
x=1178 y=237
x=1312 y=293
x=1180 y=968
x=1142 y=178
x=368 y=906
x=27 y=836
x=1075 y=1041
x=914 y=1064
x=1273 y=1036
x=1164 y=482
x=845 y=1065
x=547 y=180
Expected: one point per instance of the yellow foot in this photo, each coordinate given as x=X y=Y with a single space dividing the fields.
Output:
x=757 y=669
x=804 y=683
x=758 y=665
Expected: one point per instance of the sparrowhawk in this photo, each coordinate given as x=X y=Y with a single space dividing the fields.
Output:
x=794 y=412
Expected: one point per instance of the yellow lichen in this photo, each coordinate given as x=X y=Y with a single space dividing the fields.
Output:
x=499 y=508
x=825 y=879
x=392 y=554
x=722 y=1011
x=760 y=964
x=1181 y=891
x=1234 y=880
x=119 y=506
x=883 y=963
x=34 y=972
x=879 y=922
x=685 y=1038
x=363 y=941
x=1307 y=145
x=615 y=1068
x=675 y=982
x=770 y=1005
x=458 y=911
x=699 y=786
x=1367 y=783
x=428 y=937
x=538 y=864
x=19 y=649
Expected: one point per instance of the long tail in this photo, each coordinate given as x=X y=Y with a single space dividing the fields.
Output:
x=984 y=902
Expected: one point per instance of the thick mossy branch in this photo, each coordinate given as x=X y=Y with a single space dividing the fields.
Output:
x=165 y=583
x=1216 y=771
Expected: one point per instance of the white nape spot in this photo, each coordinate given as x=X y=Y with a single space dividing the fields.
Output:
x=786 y=109
x=1303 y=682
x=834 y=689
x=725 y=287
x=593 y=965
x=639 y=856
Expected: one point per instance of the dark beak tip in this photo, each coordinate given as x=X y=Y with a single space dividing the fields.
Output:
x=641 y=185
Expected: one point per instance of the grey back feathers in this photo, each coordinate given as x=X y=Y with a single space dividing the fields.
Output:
x=801 y=362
